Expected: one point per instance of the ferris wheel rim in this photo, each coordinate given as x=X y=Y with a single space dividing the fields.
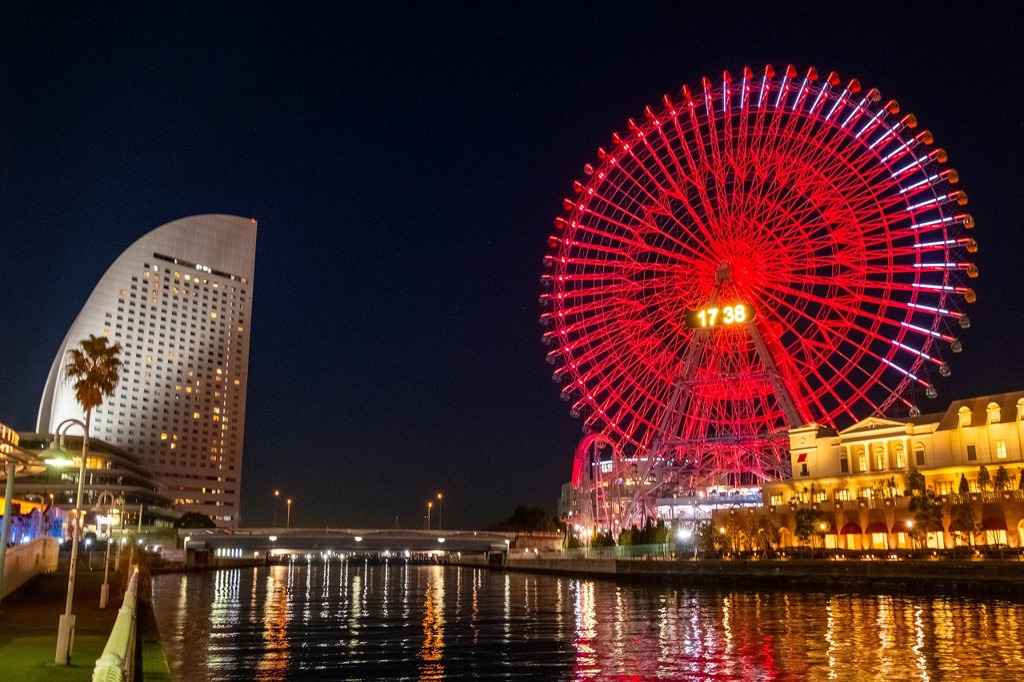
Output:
x=920 y=319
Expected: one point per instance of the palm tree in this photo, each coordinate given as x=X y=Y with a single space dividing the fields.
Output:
x=93 y=370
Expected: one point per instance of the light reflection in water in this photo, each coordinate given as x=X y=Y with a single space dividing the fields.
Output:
x=586 y=629
x=276 y=616
x=436 y=623
x=355 y=606
x=830 y=608
x=508 y=609
x=432 y=649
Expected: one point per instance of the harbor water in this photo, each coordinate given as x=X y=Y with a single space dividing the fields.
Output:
x=363 y=621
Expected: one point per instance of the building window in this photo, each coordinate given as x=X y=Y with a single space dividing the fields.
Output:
x=842 y=495
x=844 y=464
x=901 y=457
x=879 y=458
x=919 y=454
x=1001 y=449
x=803 y=469
x=862 y=460
x=994 y=413
x=972 y=453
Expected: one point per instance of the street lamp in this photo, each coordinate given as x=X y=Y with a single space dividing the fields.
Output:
x=430 y=505
x=289 y=523
x=277 y=496
x=120 y=534
x=439 y=511
x=105 y=590
x=58 y=457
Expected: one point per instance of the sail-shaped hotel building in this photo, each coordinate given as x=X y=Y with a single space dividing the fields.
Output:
x=179 y=302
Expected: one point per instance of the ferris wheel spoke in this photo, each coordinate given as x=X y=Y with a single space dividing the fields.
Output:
x=871 y=332
x=644 y=220
x=674 y=193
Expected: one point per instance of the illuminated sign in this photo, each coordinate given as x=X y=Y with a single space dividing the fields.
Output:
x=716 y=316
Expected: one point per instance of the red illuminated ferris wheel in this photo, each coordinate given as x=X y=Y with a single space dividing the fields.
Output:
x=761 y=253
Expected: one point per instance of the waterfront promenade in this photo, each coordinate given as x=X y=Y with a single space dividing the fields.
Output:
x=28 y=629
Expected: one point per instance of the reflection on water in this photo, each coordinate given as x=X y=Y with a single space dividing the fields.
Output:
x=432 y=649
x=361 y=621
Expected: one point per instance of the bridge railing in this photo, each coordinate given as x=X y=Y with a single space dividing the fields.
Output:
x=117 y=663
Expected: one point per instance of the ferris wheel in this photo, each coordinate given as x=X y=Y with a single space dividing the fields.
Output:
x=756 y=254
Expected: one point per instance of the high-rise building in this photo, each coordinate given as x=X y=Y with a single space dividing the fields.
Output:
x=179 y=301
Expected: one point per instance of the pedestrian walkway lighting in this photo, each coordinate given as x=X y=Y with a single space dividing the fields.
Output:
x=58 y=457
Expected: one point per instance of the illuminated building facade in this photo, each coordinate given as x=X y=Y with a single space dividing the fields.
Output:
x=111 y=473
x=856 y=478
x=178 y=301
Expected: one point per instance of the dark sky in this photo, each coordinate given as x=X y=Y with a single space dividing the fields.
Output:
x=405 y=162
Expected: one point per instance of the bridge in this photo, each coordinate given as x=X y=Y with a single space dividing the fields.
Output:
x=255 y=542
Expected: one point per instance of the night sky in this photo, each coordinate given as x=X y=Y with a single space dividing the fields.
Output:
x=405 y=162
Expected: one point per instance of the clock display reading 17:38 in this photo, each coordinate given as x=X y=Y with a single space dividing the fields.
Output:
x=719 y=315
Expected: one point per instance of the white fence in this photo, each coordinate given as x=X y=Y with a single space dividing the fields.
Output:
x=117 y=664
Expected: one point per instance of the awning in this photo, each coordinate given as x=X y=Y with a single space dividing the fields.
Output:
x=851 y=529
x=876 y=527
x=993 y=523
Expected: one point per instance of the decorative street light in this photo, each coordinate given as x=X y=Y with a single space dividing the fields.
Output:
x=120 y=534
x=289 y=524
x=105 y=590
x=277 y=497
x=57 y=456
x=439 y=511
x=430 y=505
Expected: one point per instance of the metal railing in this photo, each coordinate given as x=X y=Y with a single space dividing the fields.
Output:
x=117 y=664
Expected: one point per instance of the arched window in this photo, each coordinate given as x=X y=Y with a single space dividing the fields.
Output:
x=965 y=416
x=861 y=457
x=900 y=456
x=879 y=462
x=919 y=454
x=1020 y=409
x=994 y=413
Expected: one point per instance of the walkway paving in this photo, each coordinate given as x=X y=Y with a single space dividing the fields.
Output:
x=28 y=629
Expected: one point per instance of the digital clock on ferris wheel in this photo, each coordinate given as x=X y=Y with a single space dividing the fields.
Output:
x=719 y=316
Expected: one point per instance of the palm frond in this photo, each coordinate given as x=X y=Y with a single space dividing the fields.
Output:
x=93 y=369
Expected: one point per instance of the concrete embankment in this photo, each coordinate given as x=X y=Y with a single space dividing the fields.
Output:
x=989 y=576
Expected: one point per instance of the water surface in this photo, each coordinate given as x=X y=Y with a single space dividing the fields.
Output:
x=357 y=621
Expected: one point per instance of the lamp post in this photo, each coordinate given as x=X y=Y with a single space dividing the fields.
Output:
x=277 y=496
x=289 y=523
x=439 y=511
x=105 y=589
x=57 y=456
x=430 y=505
x=120 y=534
